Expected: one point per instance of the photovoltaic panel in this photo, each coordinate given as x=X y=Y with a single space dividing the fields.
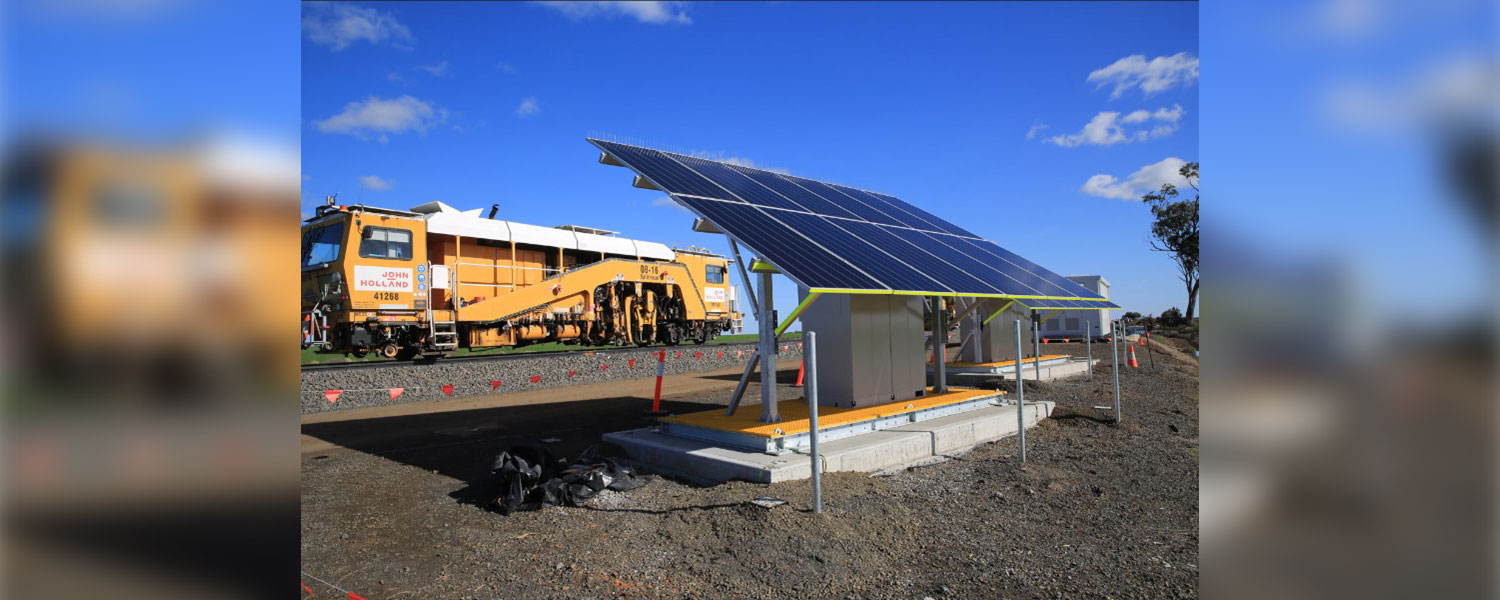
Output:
x=782 y=246
x=833 y=234
x=670 y=174
x=986 y=247
x=1067 y=304
x=838 y=238
x=809 y=201
x=741 y=186
x=907 y=215
x=937 y=223
x=884 y=238
x=860 y=209
x=1018 y=285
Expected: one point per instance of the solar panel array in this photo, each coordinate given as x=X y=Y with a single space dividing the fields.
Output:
x=837 y=238
x=1067 y=304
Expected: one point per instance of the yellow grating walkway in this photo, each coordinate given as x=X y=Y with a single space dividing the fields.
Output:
x=1006 y=363
x=746 y=418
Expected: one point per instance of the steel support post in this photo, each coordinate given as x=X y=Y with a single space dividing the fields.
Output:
x=767 y=324
x=744 y=275
x=811 y=358
x=1115 y=339
x=1036 y=344
x=1020 y=396
x=939 y=348
x=739 y=390
x=1088 y=341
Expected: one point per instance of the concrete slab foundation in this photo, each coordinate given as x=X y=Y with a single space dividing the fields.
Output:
x=897 y=447
x=972 y=375
x=791 y=433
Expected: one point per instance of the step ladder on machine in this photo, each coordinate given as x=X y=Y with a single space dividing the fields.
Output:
x=443 y=335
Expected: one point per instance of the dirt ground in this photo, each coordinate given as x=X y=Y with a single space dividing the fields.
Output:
x=390 y=505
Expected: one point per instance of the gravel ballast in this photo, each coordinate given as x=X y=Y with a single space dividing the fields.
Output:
x=370 y=386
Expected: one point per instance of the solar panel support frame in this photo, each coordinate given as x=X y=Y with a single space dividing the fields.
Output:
x=939 y=348
x=734 y=248
x=768 y=412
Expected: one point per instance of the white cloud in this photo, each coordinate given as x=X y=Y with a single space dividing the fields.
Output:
x=378 y=117
x=1458 y=92
x=340 y=25
x=1109 y=128
x=529 y=108
x=395 y=77
x=1156 y=75
x=1036 y=128
x=1146 y=179
x=668 y=202
x=437 y=70
x=504 y=67
x=645 y=12
x=374 y=183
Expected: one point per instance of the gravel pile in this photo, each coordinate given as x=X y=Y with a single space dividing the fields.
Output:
x=371 y=386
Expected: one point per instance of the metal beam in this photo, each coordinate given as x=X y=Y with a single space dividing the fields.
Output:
x=997 y=313
x=796 y=312
x=739 y=390
x=1114 y=339
x=1020 y=395
x=1050 y=315
x=939 y=348
x=812 y=418
x=768 y=408
x=1036 y=345
x=744 y=276
x=973 y=304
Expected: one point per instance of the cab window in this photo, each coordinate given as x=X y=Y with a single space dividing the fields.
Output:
x=715 y=274
x=322 y=245
x=379 y=242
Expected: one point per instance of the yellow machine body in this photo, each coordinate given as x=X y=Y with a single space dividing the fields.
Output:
x=377 y=280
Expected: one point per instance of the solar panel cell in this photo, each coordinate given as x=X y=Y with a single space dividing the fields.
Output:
x=666 y=172
x=1018 y=285
x=889 y=270
x=809 y=201
x=887 y=240
x=986 y=250
x=741 y=185
x=798 y=257
x=901 y=217
x=932 y=222
x=862 y=210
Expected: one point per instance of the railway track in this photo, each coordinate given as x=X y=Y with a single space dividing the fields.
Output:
x=374 y=364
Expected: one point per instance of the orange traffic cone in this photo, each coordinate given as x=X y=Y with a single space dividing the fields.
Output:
x=800 y=368
x=1141 y=341
x=1046 y=341
x=1131 y=362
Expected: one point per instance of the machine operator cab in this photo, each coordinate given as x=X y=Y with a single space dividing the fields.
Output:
x=382 y=283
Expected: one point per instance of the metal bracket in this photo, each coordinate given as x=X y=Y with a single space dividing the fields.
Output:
x=796 y=313
x=997 y=312
x=744 y=276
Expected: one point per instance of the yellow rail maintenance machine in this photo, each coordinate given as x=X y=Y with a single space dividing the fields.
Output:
x=435 y=279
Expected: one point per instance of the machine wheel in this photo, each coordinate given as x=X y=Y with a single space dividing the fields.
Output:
x=360 y=352
x=406 y=353
x=389 y=350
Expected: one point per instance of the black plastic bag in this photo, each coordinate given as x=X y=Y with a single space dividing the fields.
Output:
x=531 y=478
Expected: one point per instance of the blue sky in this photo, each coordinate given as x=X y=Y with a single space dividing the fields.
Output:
x=975 y=111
